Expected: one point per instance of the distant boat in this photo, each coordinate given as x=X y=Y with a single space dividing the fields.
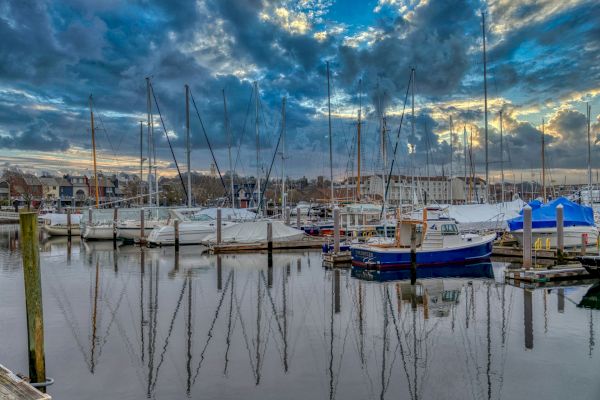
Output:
x=256 y=232
x=439 y=242
x=56 y=224
x=578 y=221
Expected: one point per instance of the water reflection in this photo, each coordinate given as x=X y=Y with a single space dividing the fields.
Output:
x=133 y=322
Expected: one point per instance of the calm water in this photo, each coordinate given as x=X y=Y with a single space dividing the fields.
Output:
x=132 y=324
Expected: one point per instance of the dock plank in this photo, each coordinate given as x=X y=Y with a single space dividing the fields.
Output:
x=14 y=388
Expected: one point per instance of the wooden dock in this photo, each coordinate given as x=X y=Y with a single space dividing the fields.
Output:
x=14 y=388
x=307 y=243
x=341 y=259
x=538 y=275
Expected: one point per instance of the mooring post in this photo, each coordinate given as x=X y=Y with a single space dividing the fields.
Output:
x=69 y=224
x=560 y=241
x=287 y=215
x=219 y=225
x=33 y=296
x=583 y=243
x=90 y=216
x=336 y=230
x=527 y=237
x=115 y=218
x=413 y=254
x=142 y=233
x=297 y=217
x=269 y=237
x=176 y=227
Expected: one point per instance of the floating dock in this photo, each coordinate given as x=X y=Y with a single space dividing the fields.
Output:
x=539 y=275
x=14 y=388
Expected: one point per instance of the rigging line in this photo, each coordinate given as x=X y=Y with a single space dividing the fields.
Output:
x=97 y=115
x=397 y=141
x=209 y=145
x=167 y=136
x=241 y=139
x=262 y=194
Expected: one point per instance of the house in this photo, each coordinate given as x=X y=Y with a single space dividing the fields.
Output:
x=65 y=189
x=245 y=195
x=50 y=187
x=80 y=187
x=4 y=190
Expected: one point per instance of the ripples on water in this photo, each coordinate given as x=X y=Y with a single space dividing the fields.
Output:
x=228 y=327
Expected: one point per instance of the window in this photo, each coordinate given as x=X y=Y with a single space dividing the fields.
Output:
x=449 y=229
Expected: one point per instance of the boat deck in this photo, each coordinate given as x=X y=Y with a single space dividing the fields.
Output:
x=14 y=388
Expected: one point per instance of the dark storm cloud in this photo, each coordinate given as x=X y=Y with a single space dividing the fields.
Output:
x=36 y=136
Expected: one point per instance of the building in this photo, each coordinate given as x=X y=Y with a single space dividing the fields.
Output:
x=4 y=191
x=50 y=187
x=80 y=187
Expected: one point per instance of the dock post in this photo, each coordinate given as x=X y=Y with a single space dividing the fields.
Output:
x=142 y=233
x=287 y=216
x=115 y=217
x=336 y=230
x=583 y=243
x=69 y=224
x=337 y=305
x=297 y=217
x=527 y=237
x=90 y=215
x=560 y=235
x=413 y=254
x=219 y=225
x=176 y=227
x=33 y=296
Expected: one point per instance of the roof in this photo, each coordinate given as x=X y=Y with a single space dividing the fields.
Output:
x=49 y=181
x=31 y=180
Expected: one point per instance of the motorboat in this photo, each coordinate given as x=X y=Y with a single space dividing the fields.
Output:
x=193 y=229
x=438 y=241
x=578 y=224
x=256 y=232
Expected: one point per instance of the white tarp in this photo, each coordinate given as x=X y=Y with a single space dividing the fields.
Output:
x=256 y=231
x=61 y=219
x=485 y=216
x=234 y=214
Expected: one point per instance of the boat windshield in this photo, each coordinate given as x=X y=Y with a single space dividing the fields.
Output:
x=449 y=229
x=199 y=217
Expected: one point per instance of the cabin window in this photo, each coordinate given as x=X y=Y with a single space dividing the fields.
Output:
x=449 y=229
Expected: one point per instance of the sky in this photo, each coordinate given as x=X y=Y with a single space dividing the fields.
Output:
x=543 y=67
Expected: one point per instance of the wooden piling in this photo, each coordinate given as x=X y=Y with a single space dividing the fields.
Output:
x=176 y=227
x=287 y=216
x=269 y=236
x=336 y=230
x=142 y=233
x=298 y=216
x=413 y=254
x=115 y=218
x=527 y=237
x=69 y=224
x=219 y=227
x=33 y=296
x=560 y=235
x=583 y=243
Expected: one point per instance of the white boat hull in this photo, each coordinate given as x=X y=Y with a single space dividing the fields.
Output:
x=571 y=237
x=62 y=230
x=189 y=233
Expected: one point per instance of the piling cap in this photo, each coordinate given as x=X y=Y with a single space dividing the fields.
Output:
x=527 y=207
x=559 y=206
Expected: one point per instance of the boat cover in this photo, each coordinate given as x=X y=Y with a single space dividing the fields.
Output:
x=61 y=219
x=545 y=215
x=256 y=231
x=238 y=214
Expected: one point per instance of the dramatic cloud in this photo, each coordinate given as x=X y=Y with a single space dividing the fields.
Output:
x=542 y=64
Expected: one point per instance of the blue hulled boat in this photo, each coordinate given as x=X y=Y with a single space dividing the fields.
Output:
x=439 y=242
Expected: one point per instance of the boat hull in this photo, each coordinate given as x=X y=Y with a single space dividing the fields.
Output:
x=383 y=258
x=470 y=270
x=571 y=236
x=61 y=230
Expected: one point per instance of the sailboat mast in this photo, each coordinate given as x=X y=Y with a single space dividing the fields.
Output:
x=188 y=145
x=257 y=146
x=330 y=138
x=150 y=140
x=141 y=191
x=283 y=193
x=487 y=182
x=94 y=152
x=465 y=155
x=589 y=166
x=543 y=165
x=451 y=157
x=412 y=127
x=358 y=139
x=229 y=140
x=502 y=157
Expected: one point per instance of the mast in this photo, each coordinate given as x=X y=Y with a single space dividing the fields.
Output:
x=543 y=165
x=465 y=155
x=330 y=138
x=150 y=139
x=451 y=156
x=412 y=127
x=141 y=191
x=229 y=140
x=358 y=138
x=487 y=182
x=188 y=145
x=257 y=146
x=501 y=157
x=94 y=152
x=283 y=193
x=589 y=162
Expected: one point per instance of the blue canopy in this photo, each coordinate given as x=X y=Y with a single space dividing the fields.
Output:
x=544 y=216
